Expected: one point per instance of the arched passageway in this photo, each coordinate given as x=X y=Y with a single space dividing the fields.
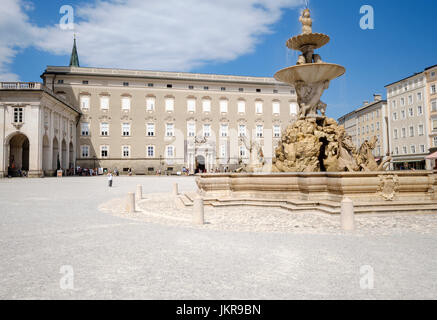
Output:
x=64 y=164
x=18 y=155
x=200 y=164
x=55 y=156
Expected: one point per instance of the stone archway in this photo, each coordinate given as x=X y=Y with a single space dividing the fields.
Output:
x=18 y=154
x=55 y=154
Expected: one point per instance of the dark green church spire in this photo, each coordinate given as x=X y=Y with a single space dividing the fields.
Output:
x=74 y=60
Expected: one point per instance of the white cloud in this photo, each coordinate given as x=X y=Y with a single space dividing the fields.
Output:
x=149 y=34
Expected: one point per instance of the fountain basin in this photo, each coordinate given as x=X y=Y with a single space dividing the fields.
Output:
x=310 y=73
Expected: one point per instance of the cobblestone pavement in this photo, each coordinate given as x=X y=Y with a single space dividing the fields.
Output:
x=48 y=225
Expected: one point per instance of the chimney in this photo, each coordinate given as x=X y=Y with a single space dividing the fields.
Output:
x=377 y=97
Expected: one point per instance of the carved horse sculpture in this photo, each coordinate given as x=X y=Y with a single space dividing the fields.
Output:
x=367 y=160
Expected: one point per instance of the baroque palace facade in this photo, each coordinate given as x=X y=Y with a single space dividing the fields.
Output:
x=145 y=121
x=149 y=121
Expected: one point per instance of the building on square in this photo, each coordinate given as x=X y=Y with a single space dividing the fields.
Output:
x=37 y=130
x=431 y=79
x=409 y=124
x=368 y=121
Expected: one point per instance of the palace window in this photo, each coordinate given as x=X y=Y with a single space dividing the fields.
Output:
x=125 y=103
x=403 y=116
x=85 y=102
x=276 y=106
x=419 y=96
x=191 y=129
x=85 y=129
x=206 y=130
x=126 y=151
x=169 y=104
x=126 y=129
x=433 y=89
x=170 y=151
x=259 y=131
x=206 y=105
x=125 y=84
x=422 y=148
x=420 y=130
x=276 y=131
x=293 y=108
x=85 y=151
x=242 y=151
x=404 y=149
x=410 y=99
x=18 y=115
x=434 y=105
x=411 y=131
x=419 y=110
x=395 y=116
x=224 y=130
x=104 y=129
x=258 y=107
x=435 y=141
x=434 y=124
x=150 y=129
x=150 y=104
x=411 y=112
x=242 y=130
x=150 y=151
x=169 y=130
x=241 y=106
x=224 y=106
x=191 y=105
x=223 y=152
x=413 y=149
x=104 y=103
x=404 y=132
x=104 y=151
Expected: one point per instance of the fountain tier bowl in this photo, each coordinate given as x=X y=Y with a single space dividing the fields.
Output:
x=310 y=73
x=315 y=40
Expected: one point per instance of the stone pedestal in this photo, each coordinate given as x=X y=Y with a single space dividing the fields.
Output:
x=198 y=212
x=347 y=215
x=175 y=189
x=139 y=192
x=130 y=202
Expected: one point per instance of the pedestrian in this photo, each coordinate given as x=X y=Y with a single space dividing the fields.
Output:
x=110 y=179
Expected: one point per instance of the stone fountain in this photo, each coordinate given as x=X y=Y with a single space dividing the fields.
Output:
x=316 y=164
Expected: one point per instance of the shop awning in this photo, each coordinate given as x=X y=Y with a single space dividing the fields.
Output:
x=432 y=156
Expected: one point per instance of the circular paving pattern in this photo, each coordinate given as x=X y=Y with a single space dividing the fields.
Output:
x=165 y=209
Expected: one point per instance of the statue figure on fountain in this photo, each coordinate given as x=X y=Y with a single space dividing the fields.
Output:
x=256 y=156
x=307 y=22
x=308 y=98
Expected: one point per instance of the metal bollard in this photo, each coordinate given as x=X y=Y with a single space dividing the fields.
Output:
x=175 y=189
x=198 y=212
x=130 y=203
x=347 y=215
x=139 y=192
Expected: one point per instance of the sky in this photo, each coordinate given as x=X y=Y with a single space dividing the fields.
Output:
x=235 y=37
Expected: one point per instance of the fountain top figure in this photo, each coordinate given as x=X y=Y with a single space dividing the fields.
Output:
x=316 y=143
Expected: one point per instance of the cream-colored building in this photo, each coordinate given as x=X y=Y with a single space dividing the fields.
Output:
x=149 y=121
x=37 y=130
x=368 y=121
x=431 y=97
x=409 y=122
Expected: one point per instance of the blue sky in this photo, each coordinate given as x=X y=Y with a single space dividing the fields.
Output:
x=247 y=38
